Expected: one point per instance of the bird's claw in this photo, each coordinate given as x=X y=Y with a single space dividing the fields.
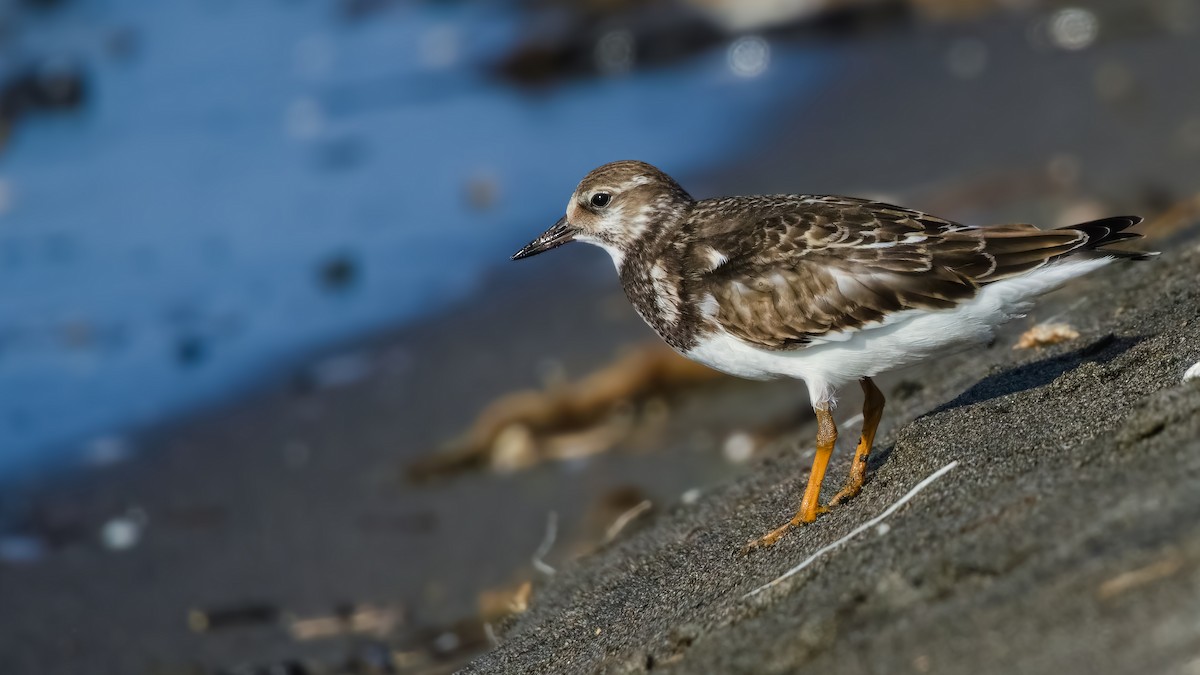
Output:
x=775 y=535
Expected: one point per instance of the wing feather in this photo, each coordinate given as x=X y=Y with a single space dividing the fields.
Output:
x=800 y=269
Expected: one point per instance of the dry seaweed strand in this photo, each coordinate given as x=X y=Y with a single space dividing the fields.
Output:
x=1046 y=334
x=571 y=420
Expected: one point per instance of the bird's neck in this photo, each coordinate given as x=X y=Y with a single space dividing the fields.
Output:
x=652 y=275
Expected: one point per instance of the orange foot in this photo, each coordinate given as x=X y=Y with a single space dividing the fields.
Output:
x=775 y=535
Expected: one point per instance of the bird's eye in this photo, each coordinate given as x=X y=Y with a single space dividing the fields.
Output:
x=601 y=199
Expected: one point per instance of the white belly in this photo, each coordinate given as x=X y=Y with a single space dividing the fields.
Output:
x=904 y=339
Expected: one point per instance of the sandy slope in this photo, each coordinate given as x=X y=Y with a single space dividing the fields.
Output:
x=1066 y=540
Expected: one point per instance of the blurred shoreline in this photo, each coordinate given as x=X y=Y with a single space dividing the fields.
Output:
x=322 y=175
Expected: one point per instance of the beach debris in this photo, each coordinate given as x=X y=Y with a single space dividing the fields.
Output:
x=570 y=420
x=614 y=514
x=1046 y=334
x=491 y=635
x=1192 y=373
x=748 y=56
x=739 y=447
x=514 y=449
x=926 y=482
x=1127 y=581
x=690 y=496
x=1073 y=28
x=625 y=518
x=361 y=620
x=547 y=544
x=124 y=532
x=237 y=616
x=500 y=603
x=447 y=642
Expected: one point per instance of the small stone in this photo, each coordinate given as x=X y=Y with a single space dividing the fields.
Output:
x=514 y=449
x=447 y=642
x=1192 y=373
x=739 y=447
x=1045 y=334
x=120 y=534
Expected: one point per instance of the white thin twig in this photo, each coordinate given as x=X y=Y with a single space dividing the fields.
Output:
x=547 y=543
x=491 y=634
x=625 y=518
x=858 y=530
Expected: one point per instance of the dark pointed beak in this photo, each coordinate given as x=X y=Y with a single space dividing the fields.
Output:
x=561 y=233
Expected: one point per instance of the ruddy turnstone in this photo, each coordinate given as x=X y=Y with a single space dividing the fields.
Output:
x=820 y=288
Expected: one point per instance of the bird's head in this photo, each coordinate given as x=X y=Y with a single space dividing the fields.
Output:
x=615 y=207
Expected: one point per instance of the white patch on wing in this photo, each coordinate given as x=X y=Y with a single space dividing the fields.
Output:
x=666 y=294
x=715 y=258
x=836 y=359
x=709 y=307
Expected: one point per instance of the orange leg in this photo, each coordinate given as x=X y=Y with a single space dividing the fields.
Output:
x=826 y=437
x=872 y=411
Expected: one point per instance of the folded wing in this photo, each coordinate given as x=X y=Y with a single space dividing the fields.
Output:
x=814 y=269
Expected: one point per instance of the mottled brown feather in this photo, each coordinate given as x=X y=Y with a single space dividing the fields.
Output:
x=797 y=267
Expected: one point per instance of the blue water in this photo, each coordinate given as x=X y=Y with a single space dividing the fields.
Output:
x=158 y=250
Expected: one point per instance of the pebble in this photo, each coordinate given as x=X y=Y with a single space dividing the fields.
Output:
x=739 y=447
x=123 y=532
x=1192 y=373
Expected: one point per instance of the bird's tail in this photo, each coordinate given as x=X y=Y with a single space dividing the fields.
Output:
x=1101 y=233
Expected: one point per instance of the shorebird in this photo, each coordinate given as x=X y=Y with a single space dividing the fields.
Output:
x=820 y=288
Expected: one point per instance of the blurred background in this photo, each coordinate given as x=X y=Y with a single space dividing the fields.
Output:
x=271 y=394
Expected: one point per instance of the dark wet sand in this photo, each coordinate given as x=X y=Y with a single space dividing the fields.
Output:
x=293 y=498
